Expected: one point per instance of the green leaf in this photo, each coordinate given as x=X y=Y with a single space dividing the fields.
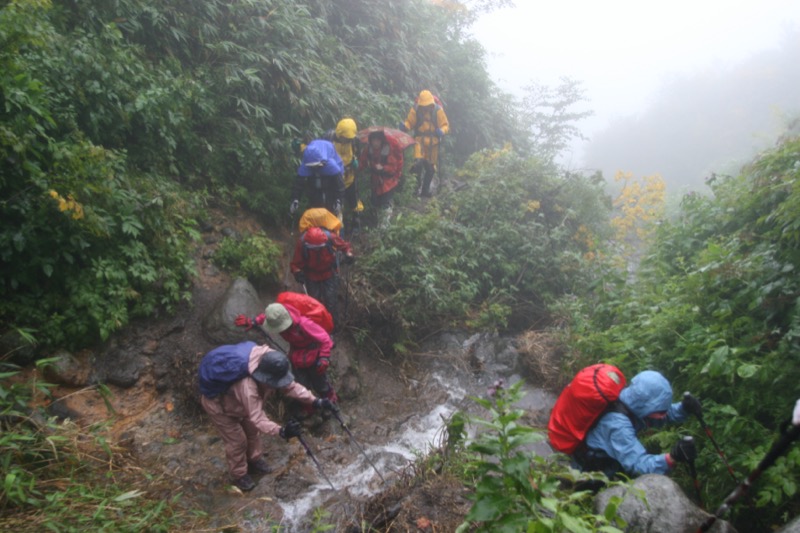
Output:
x=747 y=370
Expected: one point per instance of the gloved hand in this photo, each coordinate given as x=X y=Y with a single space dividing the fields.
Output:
x=294 y=206
x=259 y=319
x=337 y=207
x=297 y=146
x=691 y=405
x=322 y=365
x=291 y=429
x=326 y=404
x=243 y=321
x=354 y=164
x=349 y=259
x=684 y=450
x=439 y=133
x=300 y=277
x=402 y=126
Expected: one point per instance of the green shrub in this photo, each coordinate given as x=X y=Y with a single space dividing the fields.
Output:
x=714 y=307
x=517 y=490
x=494 y=253
x=256 y=257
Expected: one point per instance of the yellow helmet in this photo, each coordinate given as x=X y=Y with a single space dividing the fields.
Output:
x=425 y=98
x=346 y=129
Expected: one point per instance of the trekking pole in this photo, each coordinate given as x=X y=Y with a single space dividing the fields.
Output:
x=693 y=472
x=272 y=341
x=319 y=466
x=714 y=442
x=778 y=449
x=353 y=440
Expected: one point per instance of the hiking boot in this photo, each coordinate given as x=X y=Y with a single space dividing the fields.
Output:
x=259 y=466
x=245 y=483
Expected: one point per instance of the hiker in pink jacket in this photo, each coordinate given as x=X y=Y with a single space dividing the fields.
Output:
x=238 y=411
x=309 y=347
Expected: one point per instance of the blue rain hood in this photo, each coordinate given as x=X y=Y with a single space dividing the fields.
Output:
x=320 y=150
x=647 y=393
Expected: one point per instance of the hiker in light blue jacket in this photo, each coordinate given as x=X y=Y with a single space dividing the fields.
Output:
x=612 y=445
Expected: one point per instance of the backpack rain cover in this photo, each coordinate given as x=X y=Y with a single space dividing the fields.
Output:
x=223 y=366
x=581 y=403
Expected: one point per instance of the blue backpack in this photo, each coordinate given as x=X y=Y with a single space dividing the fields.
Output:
x=223 y=366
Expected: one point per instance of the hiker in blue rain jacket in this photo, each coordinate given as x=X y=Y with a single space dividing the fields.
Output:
x=612 y=445
x=321 y=176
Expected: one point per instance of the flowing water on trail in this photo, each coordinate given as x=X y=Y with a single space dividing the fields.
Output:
x=418 y=433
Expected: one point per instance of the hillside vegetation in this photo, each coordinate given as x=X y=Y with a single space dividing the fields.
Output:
x=123 y=121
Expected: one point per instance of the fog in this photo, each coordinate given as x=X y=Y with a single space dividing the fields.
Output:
x=707 y=122
x=681 y=89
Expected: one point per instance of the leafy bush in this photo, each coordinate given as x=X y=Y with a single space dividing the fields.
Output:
x=517 y=490
x=256 y=257
x=714 y=307
x=494 y=253
x=86 y=242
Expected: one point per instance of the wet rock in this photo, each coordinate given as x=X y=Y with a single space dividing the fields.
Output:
x=240 y=298
x=119 y=365
x=231 y=233
x=68 y=369
x=491 y=352
x=664 y=508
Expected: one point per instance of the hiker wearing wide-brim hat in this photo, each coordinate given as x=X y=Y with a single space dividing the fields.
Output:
x=309 y=347
x=235 y=382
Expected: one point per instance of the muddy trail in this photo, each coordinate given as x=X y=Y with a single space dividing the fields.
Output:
x=397 y=414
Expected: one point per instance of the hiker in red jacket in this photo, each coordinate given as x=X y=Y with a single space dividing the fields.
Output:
x=383 y=159
x=315 y=265
x=309 y=347
x=237 y=409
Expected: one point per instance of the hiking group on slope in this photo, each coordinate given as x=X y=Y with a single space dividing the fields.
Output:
x=236 y=380
x=330 y=165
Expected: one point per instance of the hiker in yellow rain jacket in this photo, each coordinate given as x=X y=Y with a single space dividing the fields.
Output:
x=347 y=146
x=429 y=123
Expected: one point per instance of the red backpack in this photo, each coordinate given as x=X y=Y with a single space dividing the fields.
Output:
x=308 y=307
x=318 y=251
x=581 y=403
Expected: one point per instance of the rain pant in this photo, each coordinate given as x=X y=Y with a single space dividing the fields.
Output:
x=240 y=419
x=614 y=435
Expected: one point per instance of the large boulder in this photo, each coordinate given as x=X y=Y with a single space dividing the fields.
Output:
x=664 y=508
x=240 y=298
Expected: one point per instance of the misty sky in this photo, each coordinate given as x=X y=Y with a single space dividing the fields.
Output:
x=622 y=50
